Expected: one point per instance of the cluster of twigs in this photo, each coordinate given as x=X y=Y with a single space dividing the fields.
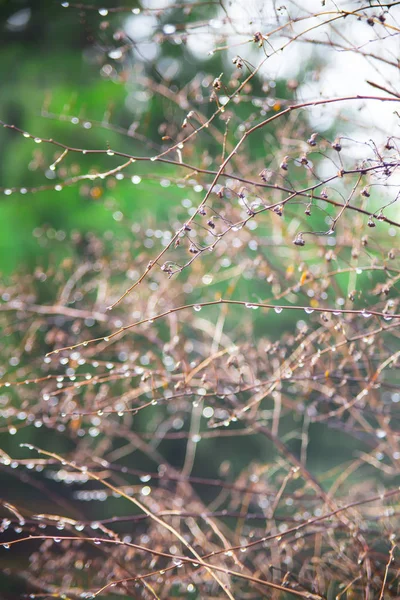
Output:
x=254 y=329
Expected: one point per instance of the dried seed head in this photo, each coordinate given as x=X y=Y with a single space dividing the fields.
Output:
x=298 y=240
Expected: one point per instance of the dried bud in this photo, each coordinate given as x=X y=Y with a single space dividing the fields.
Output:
x=365 y=192
x=364 y=240
x=329 y=256
x=298 y=240
x=284 y=163
x=166 y=268
x=238 y=62
x=186 y=227
x=371 y=21
x=258 y=38
x=352 y=296
x=391 y=254
x=311 y=140
x=202 y=211
x=278 y=209
x=303 y=159
x=193 y=249
x=308 y=211
x=211 y=223
x=337 y=145
x=324 y=194
x=382 y=18
x=371 y=222
x=217 y=83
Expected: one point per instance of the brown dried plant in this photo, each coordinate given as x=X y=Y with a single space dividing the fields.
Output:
x=178 y=392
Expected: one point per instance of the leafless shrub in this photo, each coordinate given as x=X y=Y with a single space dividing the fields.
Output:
x=262 y=309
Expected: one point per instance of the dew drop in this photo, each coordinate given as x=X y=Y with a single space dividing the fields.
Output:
x=197 y=308
x=308 y=310
x=278 y=309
